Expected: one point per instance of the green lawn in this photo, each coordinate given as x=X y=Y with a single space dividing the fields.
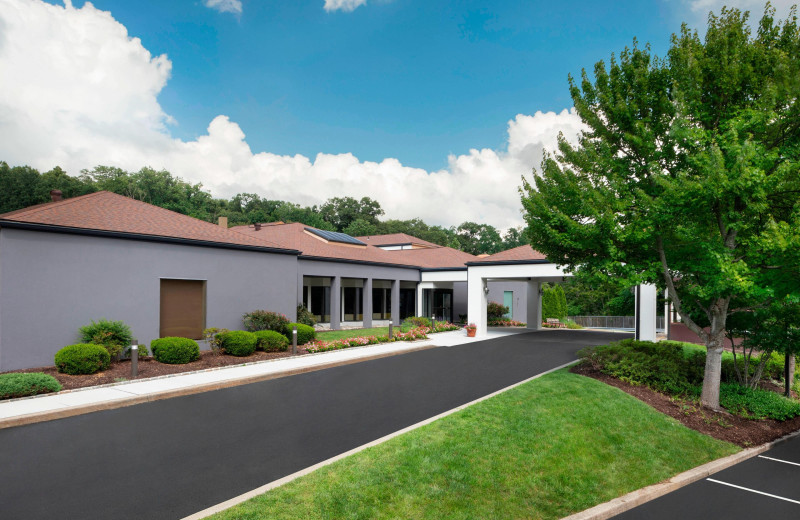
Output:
x=331 y=335
x=546 y=449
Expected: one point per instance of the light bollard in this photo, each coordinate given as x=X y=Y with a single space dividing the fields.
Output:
x=391 y=330
x=134 y=358
x=294 y=340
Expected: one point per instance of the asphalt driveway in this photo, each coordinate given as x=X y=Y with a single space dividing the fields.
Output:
x=171 y=458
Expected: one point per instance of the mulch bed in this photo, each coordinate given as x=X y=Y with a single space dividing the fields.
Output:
x=148 y=367
x=720 y=425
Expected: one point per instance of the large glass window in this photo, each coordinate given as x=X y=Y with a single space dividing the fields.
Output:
x=352 y=299
x=438 y=304
x=317 y=297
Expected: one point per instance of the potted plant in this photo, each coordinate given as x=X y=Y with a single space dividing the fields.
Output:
x=471 y=328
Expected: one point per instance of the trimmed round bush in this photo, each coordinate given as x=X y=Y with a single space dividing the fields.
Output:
x=82 y=358
x=22 y=385
x=271 y=341
x=113 y=335
x=174 y=350
x=239 y=342
x=305 y=334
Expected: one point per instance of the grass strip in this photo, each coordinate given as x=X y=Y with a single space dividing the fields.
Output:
x=551 y=447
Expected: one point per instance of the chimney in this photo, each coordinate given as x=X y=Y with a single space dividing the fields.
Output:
x=223 y=222
x=257 y=226
x=56 y=195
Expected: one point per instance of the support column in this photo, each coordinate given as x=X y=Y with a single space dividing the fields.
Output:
x=534 y=301
x=366 y=298
x=419 y=299
x=646 y=301
x=396 y=302
x=476 y=303
x=336 y=302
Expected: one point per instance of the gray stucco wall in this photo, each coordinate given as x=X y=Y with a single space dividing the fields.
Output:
x=51 y=284
x=520 y=306
x=459 y=299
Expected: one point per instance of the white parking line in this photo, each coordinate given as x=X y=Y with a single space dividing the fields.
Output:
x=779 y=460
x=753 y=491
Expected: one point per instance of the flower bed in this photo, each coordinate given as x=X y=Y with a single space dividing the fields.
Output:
x=506 y=323
x=360 y=341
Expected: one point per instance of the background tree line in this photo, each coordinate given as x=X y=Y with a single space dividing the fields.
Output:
x=23 y=186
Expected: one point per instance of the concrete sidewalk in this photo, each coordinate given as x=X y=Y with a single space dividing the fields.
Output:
x=17 y=412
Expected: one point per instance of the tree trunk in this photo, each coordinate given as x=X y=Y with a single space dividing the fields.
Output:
x=710 y=395
x=788 y=366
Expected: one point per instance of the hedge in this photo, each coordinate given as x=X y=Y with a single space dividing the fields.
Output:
x=174 y=350
x=82 y=358
x=305 y=333
x=271 y=341
x=238 y=342
x=22 y=385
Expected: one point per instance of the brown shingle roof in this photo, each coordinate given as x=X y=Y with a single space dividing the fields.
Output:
x=518 y=254
x=293 y=236
x=395 y=239
x=109 y=212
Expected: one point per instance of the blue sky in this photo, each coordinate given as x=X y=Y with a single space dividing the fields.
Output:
x=411 y=79
x=434 y=109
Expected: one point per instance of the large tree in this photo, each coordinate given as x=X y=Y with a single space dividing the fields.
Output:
x=678 y=174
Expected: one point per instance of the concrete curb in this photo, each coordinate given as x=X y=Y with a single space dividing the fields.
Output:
x=288 y=478
x=33 y=418
x=646 y=494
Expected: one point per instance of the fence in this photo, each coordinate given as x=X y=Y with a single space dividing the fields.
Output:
x=612 y=322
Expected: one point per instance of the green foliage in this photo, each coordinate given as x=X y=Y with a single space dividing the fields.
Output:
x=414 y=322
x=495 y=311
x=755 y=403
x=670 y=179
x=82 y=358
x=113 y=335
x=305 y=333
x=343 y=212
x=238 y=342
x=143 y=352
x=305 y=317
x=212 y=337
x=661 y=365
x=554 y=302
x=478 y=239
x=175 y=350
x=271 y=341
x=22 y=385
x=265 y=320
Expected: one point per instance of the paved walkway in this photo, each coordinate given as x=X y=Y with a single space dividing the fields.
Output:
x=68 y=403
x=171 y=458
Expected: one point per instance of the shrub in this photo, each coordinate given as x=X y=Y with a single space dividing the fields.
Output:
x=554 y=302
x=305 y=334
x=265 y=320
x=22 y=385
x=661 y=366
x=174 y=350
x=415 y=322
x=82 y=358
x=212 y=337
x=271 y=341
x=238 y=343
x=755 y=403
x=142 y=351
x=495 y=310
x=113 y=335
x=305 y=317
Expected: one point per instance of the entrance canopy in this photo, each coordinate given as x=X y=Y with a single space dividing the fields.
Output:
x=524 y=264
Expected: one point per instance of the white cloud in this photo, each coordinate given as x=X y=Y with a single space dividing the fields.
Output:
x=85 y=93
x=343 y=5
x=225 y=6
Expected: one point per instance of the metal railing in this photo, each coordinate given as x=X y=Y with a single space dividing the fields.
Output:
x=612 y=322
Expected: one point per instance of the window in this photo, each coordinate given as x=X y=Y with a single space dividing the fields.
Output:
x=183 y=308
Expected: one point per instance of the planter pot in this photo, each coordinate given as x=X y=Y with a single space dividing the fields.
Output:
x=471 y=333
